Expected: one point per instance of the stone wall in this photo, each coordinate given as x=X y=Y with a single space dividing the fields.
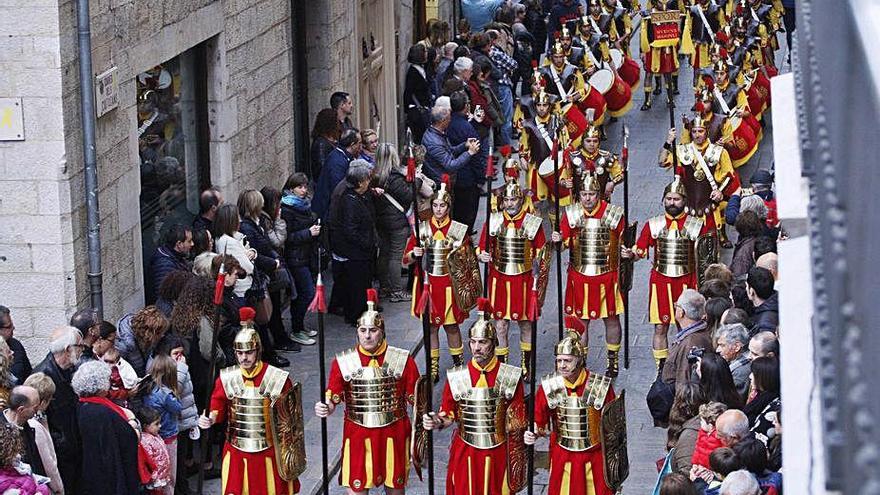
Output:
x=42 y=213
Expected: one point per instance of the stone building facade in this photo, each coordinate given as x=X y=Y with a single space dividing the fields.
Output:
x=229 y=73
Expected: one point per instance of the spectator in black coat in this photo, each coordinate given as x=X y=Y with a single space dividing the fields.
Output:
x=65 y=349
x=300 y=251
x=353 y=241
x=170 y=256
x=469 y=178
x=209 y=202
x=335 y=168
x=21 y=365
x=417 y=95
x=766 y=300
x=325 y=134
x=87 y=322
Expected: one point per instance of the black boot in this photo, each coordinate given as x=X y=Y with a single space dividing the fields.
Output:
x=657 y=85
x=526 y=363
x=647 y=104
x=613 y=363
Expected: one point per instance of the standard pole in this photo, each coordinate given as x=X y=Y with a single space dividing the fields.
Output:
x=558 y=157
x=90 y=161
x=322 y=371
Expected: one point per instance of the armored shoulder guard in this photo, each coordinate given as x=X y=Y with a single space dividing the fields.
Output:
x=612 y=215
x=459 y=379
x=530 y=225
x=507 y=379
x=349 y=363
x=713 y=154
x=273 y=382
x=574 y=213
x=456 y=233
x=657 y=225
x=596 y=390
x=233 y=382
x=496 y=220
x=554 y=389
x=692 y=226
x=685 y=154
x=395 y=360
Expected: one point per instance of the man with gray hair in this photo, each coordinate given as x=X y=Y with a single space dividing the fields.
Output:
x=740 y=482
x=23 y=403
x=462 y=70
x=65 y=349
x=447 y=55
x=764 y=344
x=732 y=426
x=440 y=156
x=690 y=310
x=732 y=343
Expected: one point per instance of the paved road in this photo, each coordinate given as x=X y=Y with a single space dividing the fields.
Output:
x=646 y=443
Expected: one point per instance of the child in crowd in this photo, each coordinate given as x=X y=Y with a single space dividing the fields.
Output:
x=122 y=376
x=722 y=461
x=162 y=396
x=157 y=461
x=172 y=346
x=707 y=438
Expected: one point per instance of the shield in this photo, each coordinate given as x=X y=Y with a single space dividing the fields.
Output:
x=288 y=436
x=517 y=451
x=464 y=273
x=625 y=272
x=542 y=266
x=707 y=250
x=613 y=438
x=419 y=436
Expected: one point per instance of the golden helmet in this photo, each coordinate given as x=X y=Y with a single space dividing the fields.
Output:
x=484 y=328
x=544 y=98
x=537 y=77
x=371 y=317
x=512 y=189
x=676 y=186
x=442 y=193
x=571 y=345
x=557 y=49
x=720 y=66
x=590 y=182
x=564 y=33
x=593 y=132
x=699 y=122
x=247 y=339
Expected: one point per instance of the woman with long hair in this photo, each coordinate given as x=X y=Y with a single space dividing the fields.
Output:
x=717 y=381
x=6 y=376
x=764 y=402
x=325 y=134
x=684 y=424
x=715 y=308
x=418 y=97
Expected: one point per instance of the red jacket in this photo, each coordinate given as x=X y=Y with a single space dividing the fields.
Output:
x=706 y=443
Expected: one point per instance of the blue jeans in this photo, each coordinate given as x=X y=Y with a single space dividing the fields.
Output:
x=505 y=98
x=305 y=289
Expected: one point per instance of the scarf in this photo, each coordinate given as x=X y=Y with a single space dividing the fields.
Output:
x=103 y=401
x=295 y=201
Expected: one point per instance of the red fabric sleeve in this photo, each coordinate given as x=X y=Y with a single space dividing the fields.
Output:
x=335 y=384
x=733 y=185
x=410 y=376
x=542 y=412
x=540 y=239
x=219 y=402
x=645 y=240
x=410 y=244
x=483 y=236
x=447 y=403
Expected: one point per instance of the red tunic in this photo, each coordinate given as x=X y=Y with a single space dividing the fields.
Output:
x=446 y=310
x=664 y=291
x=573 y=472
x=374 y=457
x=249 y=472
x=509 y=294
x=591 y=296
x=474 y=471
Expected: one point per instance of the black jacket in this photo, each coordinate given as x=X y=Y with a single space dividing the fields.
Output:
x=321 y=147
x=417 y=100
x=30 y=454
x=21 y=365
x=110 y=452
x=259 y=241
x=163 y=262
x=766 y=316
x=62 y=418
x=300 y=248
x=353 y=226
x=388 y=217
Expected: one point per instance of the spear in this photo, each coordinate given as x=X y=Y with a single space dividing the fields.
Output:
x=557 y=159
x=490 y=177
x=423 y=304
x=534 y=311
x=624 y=158
x=319 y=306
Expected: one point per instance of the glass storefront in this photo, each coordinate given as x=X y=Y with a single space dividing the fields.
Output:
x=172 y=144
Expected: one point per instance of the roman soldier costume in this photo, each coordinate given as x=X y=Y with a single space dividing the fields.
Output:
x=376 y=388
x=487 y=455
x=571 y=413
x=515 y=243
x=537 y=143
x=566 y=80
x=604 y=165
x=264 y=450
x=732 y=101
x=659 y=42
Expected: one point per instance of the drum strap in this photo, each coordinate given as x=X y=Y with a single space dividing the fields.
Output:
x=721 y=101
x=562 y=93
x=704 y=166
x=546 y=135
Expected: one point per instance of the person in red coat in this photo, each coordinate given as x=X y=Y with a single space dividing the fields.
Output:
x=476 y=395
x=568 y=399
x=250 y=463
x=376 y=382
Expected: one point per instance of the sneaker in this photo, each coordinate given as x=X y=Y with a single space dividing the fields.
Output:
x=302 y=338
x=400 y=296
x=311 y=332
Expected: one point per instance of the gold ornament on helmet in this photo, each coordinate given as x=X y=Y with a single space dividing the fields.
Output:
x=593 y=132
x=484 y=328
x=720 y=66
x=544 y=98
x=512 y=189
x=442 y=193
x=371 y=317
x=676 y=187
x=536 y=77
x=571 y=345
x=590 y=183
x=247 y=339
x=699 y=122
x=564 y=33
x=557 y=49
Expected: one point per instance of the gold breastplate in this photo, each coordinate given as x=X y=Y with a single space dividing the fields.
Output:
x=512 y=252
x=675 y=255
x=437 y=250
x=249 y=407
x=482 y=412
x=577 y=417
x=596 y=248
x=372 y=400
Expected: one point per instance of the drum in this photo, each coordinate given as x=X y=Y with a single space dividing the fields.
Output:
x=744 y=142
x=616 y=58
x=630 y=72
x=545 y=171
x=619 y=98
x=602 y=80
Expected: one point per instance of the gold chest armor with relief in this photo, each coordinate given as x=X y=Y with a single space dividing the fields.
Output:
x=482 y=412
x=372 y=400
x=577 y=417
x=596 y=248
x=249 y=407
x=512 y=252
x=437 y=250
x=675 y=254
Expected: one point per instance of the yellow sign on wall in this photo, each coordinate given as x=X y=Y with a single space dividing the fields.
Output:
x=11 y=119
x=432 y=9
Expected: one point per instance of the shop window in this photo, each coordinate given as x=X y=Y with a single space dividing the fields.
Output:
x=172 y=144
